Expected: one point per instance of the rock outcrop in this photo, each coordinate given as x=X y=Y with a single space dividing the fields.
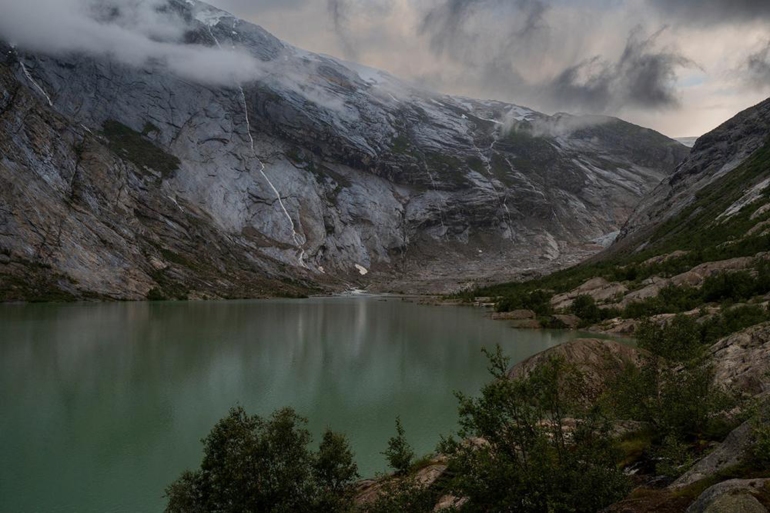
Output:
x=734 y=496
x=742 y=360
x=119 y=180
x=729 y=453
x=600 y=361
x=714 y=156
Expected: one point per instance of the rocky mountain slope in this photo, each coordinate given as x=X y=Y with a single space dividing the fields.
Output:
x=129 y=182
x=689 y=244
x=711 y=187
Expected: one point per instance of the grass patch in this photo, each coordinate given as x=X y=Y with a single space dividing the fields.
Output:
x=138 y=149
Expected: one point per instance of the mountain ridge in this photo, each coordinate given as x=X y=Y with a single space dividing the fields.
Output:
x=324 y=174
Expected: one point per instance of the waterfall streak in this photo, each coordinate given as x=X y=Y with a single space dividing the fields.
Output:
x=34 y=83
x=299 y=240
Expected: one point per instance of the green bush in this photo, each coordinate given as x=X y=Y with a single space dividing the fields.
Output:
x=673 y=391
x=402 y=495
x=759 y=452
x=678 y=340
x=732 y=320
x=255 y=465
x=516 y=454
x=589 y=312
x=539 y=301
x=399 y=453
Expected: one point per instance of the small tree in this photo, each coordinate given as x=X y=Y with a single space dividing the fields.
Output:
x=334 y=471
x=674 y=389
x=252 y=464
x=399 y=453
x=585 y=307
x=517 y=452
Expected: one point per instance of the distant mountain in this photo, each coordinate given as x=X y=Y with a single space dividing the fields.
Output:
x=722 y=181
x=687 y=141
x=128 y=182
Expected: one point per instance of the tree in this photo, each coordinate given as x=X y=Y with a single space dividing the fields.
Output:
x=584 y=306
x=334 y=471
x=517 y=451
x=399 y=453
x=674 y=389
x=255 y=465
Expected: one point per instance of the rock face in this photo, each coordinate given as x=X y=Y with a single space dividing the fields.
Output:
x=598 y=288
x=729 y=453
x=734 y=496
x=714 y=156
x=742 y=360
x=118 y=181
x=599 y=360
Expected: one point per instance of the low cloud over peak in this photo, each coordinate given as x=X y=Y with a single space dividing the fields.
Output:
x=134 y=32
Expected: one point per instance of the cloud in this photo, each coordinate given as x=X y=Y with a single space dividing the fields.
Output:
x=502 y=41
x=549 y=55
x=715 y=12
x=758 y=68
x=644 y=76
x=339 y=14
x=455 y=24
x=140 y=33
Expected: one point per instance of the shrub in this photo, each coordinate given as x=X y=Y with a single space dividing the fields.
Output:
x=732 y=320
x=538 y=301
x=251 y=464
x=585 y=307
x=399 y=453
x=674 y=390
x=518 y=454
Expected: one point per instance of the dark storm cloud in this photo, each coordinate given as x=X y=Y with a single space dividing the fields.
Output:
x=714 y=12
x=446 y=24
x=644 y=76
x=758 y=67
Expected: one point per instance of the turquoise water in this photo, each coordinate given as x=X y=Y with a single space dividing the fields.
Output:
x=103 y=405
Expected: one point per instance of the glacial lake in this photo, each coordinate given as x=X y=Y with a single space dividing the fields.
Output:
x=103 y=405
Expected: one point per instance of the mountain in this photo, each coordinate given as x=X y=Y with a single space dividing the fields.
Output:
x=723 y=179
x=687 y=141
x=696 y=245
x=126 y=182
x=690 y=272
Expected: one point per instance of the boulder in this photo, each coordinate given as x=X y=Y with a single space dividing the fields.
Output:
x=600 y=360
x=516 y=315
x=697 y=275
x=450 y=502
x=733 y=496
x=617 y=326
x=665 y=258
x=650 y=291
x=570 y=321
x=742 y=360
x=598 y=288
x=728 y=454
x=527 y=324
x=688 y=279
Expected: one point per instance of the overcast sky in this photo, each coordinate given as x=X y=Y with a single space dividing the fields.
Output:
x=679 y=66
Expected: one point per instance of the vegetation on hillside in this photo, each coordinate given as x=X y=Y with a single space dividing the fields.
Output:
x=138 y=148
x=698 y=234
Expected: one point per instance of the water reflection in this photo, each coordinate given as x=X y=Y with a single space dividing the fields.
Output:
x=102 y=405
